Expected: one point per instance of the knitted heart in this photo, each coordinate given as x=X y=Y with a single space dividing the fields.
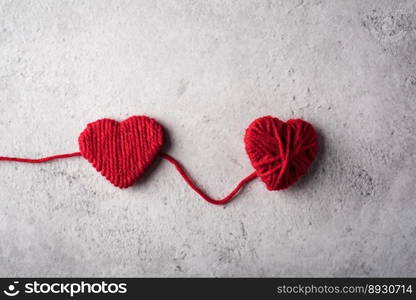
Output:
x=281 y=152
x=122 y=151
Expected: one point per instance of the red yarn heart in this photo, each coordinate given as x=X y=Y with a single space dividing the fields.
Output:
x=281 y=152
x=122 y=151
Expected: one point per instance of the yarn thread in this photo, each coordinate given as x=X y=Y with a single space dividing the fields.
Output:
x=165 y=156
x=39 y=160
x=193 y=186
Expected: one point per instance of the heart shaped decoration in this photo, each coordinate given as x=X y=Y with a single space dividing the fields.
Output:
x=122 y=151
x=281 y=152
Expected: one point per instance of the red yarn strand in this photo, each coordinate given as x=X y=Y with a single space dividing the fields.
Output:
x=189 y=181
x=165 y=156
x=39 y=160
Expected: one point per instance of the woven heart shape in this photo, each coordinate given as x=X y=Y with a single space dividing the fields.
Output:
x=122 y=151
x=281 y=152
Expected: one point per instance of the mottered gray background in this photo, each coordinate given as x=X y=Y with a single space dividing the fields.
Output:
x=205 y=70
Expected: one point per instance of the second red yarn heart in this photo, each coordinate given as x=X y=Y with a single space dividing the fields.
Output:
x=281 y=152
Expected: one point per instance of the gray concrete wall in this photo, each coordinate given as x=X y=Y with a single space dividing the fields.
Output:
x=205 y=70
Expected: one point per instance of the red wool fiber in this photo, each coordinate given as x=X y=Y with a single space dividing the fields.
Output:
x=280 y=152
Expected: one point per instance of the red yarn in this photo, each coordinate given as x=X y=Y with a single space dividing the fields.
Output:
x=280 y=152
x=122 y=151
x=165 y=156
x=39 y=160
x=189 y=181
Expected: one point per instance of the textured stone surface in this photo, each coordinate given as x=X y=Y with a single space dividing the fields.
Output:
x=205 y=70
